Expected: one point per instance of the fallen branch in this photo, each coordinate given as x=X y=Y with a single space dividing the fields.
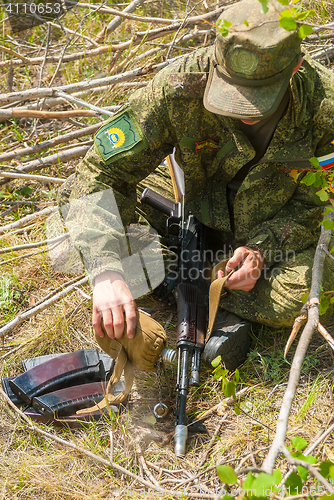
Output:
x=117 y=20
x=28 y=218
x=43 y=178
x=104 y=49
x=315 y=473
x=311 y=326
x=97 y=458
x=20 y=318
x=32 y=94
x=62 y=139
x=37 y=244
x=76 y=152
x=226 y=402
x=47 y=115
x=80 y=102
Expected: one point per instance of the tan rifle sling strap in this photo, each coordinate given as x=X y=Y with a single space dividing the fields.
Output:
x=215 y=293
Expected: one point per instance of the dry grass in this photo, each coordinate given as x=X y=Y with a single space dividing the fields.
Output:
x=36 y=467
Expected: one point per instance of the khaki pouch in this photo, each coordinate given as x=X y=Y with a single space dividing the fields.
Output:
x=141 y=352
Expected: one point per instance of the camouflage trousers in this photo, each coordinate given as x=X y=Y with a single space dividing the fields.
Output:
x=276 y=299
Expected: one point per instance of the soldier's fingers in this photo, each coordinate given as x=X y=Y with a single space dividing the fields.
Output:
x=236 y=260
x=108 y=322
x=131 y=318
x=96 y=322
x=118 y=321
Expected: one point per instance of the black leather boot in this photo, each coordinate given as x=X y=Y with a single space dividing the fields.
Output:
x=229 y=339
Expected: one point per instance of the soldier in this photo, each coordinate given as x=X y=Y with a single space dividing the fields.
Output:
x=241 y=115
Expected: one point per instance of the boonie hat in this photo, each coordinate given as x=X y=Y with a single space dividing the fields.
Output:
x=253 y=64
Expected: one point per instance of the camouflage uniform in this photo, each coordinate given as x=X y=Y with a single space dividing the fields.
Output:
x=272 y=212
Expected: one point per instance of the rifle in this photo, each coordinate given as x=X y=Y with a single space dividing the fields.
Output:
x=190 y=286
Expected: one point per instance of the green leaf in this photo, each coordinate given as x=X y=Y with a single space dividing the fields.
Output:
x=295 y=484
x=324 y=468
x=318 y=180
x=246 y=22
x=328 y=224
x=300 y=16
x=226 y=474
x=227 y=24
x=304 y=31
x=302 y=472
x=227 y=497
x=314 y=161
x=262 y=483
x=216 y=361
x=309 y=459
x=26 y=191
x=237 y=376
x=237 y=409
x=247 y=484
x=286 y=13
x=223 y=31
x=277 y=474
x=331 y=472
x=305 y=297
x=264 y=4
x=332 y=300
x=324 y=305
x=299 y=443
x=309 y=178
x=323 y=195
x=284 y=2
x=229 y=389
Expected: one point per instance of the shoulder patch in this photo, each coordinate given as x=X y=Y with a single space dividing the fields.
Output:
x=116 y=136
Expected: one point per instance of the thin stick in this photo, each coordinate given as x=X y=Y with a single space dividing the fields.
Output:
x=27 y=218
x=117 y=21
x=62 y=139
x=80 y=102
x=322 y=330
x=227 y=401
x=45 y=56
x=95 y=457
x=311 y=325
x=47 y=115
x=37 y=244
x=32 y=94
x=212 y=441
x=309 y=467
x=76 y=152
x=151 y=35
x=37 y=309
x=14 y=175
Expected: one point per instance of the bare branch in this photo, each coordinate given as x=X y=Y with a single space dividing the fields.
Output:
x=20 y=318
x=32 y=94
x=76 y=152
x=117 y=20
x=14 y=175
x=309 y=467
x=322 y=330
x=37 y=244
x=311 y=325
x=62 y=139
x=48 y=115
x=27 y=218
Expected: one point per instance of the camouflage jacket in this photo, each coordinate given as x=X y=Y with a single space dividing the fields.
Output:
x=272 y=212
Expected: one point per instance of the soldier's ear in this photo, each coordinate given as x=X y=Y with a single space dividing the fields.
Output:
x=298 y=66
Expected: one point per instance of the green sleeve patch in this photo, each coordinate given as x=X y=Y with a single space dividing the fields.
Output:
x=116 y=136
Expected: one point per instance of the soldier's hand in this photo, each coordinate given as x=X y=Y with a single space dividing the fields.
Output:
x=112 y=301
x=247 y=265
